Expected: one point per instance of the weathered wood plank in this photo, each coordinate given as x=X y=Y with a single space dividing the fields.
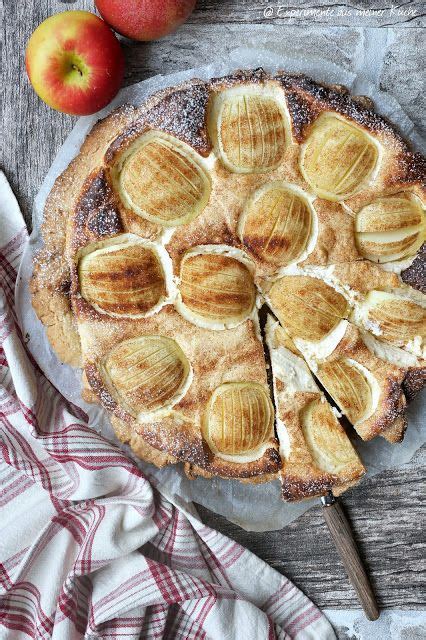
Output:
x=320 y=12
x=360 y=13
x=386 y=511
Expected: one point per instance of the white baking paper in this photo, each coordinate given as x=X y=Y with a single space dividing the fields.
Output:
x=258 y=507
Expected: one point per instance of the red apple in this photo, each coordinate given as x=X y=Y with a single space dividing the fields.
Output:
x=145 y=19
x=75 y=62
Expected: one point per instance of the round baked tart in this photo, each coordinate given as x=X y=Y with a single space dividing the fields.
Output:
x=181 y=219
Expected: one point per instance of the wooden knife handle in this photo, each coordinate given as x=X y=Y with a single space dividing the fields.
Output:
x=341 y=533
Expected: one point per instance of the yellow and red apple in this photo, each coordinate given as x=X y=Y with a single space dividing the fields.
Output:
x=145 y=19
x=75 y=62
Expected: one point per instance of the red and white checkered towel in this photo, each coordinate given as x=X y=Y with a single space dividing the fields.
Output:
x=88 y=547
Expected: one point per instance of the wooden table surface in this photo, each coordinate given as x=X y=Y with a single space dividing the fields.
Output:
x=386 y=511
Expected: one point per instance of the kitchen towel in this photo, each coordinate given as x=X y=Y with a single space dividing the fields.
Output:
x=89 y=548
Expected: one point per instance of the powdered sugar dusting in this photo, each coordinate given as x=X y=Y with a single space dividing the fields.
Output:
x=183 y=114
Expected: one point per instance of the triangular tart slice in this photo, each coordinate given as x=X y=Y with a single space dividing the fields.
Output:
x=316 y=452
x=367 y=389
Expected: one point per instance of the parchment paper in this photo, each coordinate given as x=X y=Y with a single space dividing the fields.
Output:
x=255 y=508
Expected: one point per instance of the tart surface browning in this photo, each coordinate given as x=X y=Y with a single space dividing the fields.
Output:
x=181 y=217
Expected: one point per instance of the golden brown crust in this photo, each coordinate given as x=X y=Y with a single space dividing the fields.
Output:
x=414 y=381
x=54 y=310
x=95 y=216
x=84 y=207
x=306 y=99
x=395 y=433
x=139 y=445
x=192 y=472
x=363 y=276
x=294 y=489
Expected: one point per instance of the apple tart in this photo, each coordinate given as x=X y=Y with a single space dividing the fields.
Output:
x=182 y=219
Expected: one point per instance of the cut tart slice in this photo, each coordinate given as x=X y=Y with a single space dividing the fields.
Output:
x=367 y=387
x=368 y=390
x=381 y=303
x=316 y=452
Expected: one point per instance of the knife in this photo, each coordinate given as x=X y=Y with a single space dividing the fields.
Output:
x=341 y=533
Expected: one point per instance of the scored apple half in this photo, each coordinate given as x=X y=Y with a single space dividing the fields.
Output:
x=248 y=127
x=308 y=308
x=338 y=159
x=394 y=318
x=216 y=290
x=146 y=375
x=277 y=224
x=123 y=278
x=390 y=228
x=239 y=420
x=162 y=179
x=330 y=448
x=351 y=386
